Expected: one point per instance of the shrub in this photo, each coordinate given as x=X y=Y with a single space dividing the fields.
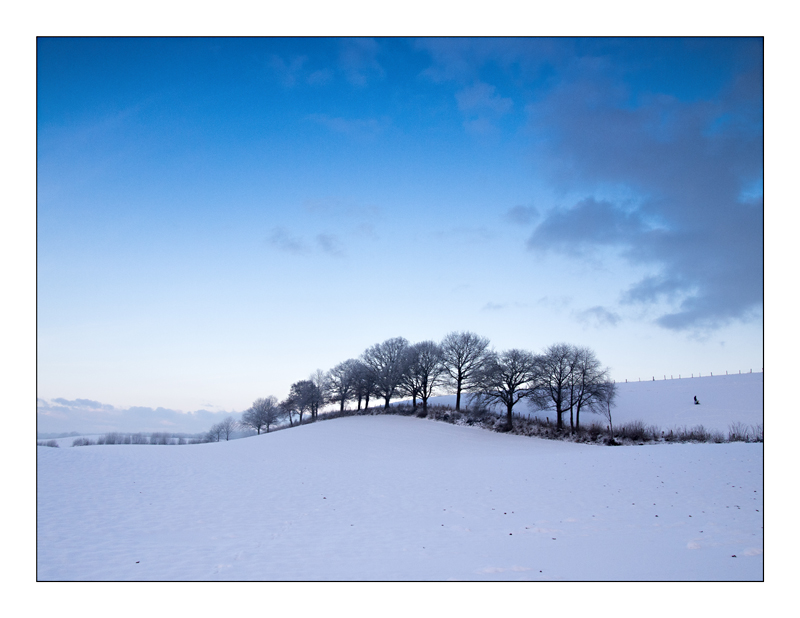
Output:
x=758 y=432
x=595 y=430
x=82 y=442
x=51 y=443
x=738 y=432
x=698 y=433
x=717 y=437
x=633 y=430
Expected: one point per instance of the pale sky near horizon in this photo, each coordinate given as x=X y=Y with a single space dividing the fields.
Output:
x=217 y=218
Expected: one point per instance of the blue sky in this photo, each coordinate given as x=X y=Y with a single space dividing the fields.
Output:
x=217 y=218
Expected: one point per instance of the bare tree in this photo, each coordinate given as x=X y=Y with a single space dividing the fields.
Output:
x=585 y=382
x=342 y=382
x=423 y=371
x=263 y=413
x=214 y=434
x=386 y=362
x=409 y=380
x=228 y=425
x=464 y=355
x=553 y=370
x=304 y=396
x=364 y=384
x=507 y=378
x=606 y=399
x=321 y=395
x=287 y=410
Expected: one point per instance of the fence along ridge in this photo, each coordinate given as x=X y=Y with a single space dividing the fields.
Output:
x=671 y=377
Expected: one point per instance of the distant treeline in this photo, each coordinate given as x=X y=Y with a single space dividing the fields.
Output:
x=161 y=438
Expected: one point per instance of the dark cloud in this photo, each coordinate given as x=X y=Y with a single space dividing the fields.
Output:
x=587 y=224
x=684 y=166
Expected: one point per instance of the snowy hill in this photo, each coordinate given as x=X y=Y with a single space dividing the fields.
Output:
x=400 y=498
x=668 y=403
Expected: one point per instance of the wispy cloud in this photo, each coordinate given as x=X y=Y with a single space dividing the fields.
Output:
x=319 y=77
x=598 y=317
x=358 y=59
x=330 y=244
x=490 y=306
x=554 y=302
x=359 y=127
x=482 y=106
x=481 y=98
x=283 y=240
x=325 y=242
x=522 y=215
x=287 y=71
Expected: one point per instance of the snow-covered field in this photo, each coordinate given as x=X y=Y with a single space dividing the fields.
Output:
x=400 y=498
x=669 y=403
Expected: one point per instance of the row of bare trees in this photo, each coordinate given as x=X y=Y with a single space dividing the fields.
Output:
x=563 y=378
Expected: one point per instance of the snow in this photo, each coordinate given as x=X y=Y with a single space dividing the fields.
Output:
x=669 y=403
x=400 y=498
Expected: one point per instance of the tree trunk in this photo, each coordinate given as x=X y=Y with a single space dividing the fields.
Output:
x=341 y=406
x=366 y=402
x=386 y=405
x=509 y=419
x=458 y=395
x=571 y=423
x=578 y=417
